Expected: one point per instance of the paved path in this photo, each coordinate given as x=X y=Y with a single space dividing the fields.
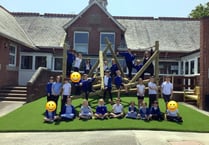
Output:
x=131 y=137
x=9 y=106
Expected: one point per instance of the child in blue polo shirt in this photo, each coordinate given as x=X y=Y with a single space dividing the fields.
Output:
x=49 y=89
x=68 y=111
x=113 y=68
x=50 y=116
x=86 y=111
x=101 y=110
x=144 y=112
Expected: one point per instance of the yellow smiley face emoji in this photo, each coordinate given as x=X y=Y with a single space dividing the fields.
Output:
x=75 y=77
x=51 y=106
x=172 y=105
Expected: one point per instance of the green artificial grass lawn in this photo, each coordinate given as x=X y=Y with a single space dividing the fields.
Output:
x=30 y=118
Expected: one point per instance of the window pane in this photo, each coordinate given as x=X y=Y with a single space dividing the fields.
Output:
x=187 y=67
x=26 y=62
x=168 y=67
x=40 y=61
x=198 y=65
x=12 y=49
x=11 y=59
x=111 y=37
x=81 y=42
x=192 y=67
x=58 y=64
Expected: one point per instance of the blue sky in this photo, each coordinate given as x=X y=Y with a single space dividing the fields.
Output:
x=153 y=8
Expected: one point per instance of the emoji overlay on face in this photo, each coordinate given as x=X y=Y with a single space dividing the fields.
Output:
x=172 y=105
x=75 y=77
x=51 y=106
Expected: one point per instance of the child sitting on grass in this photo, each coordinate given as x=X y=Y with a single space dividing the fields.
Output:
x=50 y=116
x=144 y=112
x=132 y=111
x=173 y=116
x=68 y=111
x=155 y=112
x=117 y=110
x=101 y=110
x=86 y=111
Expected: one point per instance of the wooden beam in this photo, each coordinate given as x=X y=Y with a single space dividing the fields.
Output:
x=64 y=61
x=101 y=64
x=144 y=67
x=114 y=56
x=157 y=63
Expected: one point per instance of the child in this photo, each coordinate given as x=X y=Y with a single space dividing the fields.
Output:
x=113 y=68
x=132 y=111
x=155 y=112
x=173 y=116
x=140 y=92
x=150 y=68
x=107 y=85
x=56 y=90
x=152 y=91
x=78 y=60
x=137 y=65
x=119 y=83
x=86 y=85
x=49 y=89
x=66 y=92
x=50 y=116
x=105 y=65
x=87 y=66
x=70 y=60
x=68 y=111
x=117 y=110
x=86 y=111
x=167 y=89
x=144 y=112
x=129 y=57
x=101 y=110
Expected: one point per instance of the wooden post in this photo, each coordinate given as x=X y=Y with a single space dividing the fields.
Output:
x=114 y=56
x=64 y=61
x=157 y=63
x=101 y=64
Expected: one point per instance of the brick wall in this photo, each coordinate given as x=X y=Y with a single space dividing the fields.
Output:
x=94 y=21
x=8 y=76
x=204 y=62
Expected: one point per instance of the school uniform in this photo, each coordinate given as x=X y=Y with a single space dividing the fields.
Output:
x=87 y=86
x=70 y=60
x=137 y=66
x=49 y=91
x=86 y=111
x=113 y=69
x=101 y=109
x=56 y=90
x=150 y=68
x=68 y=112
x=129 y=61
x=132 y=112
x=87 y=68
x=118 y=82
x=140 y=88
x=173 y=116
x=156 y=113
x=66 y=92
x=152 y=93
x=77 y=64
x=117 y=109
x=50 y=115
x=167 y=88
x=108 y=86
x=144 y=112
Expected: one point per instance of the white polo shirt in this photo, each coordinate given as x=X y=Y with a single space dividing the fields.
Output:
x=167 y=88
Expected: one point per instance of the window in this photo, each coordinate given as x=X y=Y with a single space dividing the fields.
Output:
x=81 y=40
x=40 y=61
x=187 y=67
x=192 y=67
x=168 y=67
x=57 y=63
x=110 y=36
x=198 y=65
x=26 y=62
x=12 y=55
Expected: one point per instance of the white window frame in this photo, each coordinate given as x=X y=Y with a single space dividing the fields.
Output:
x=13 y=54
x=84 y=44
x=100 y=45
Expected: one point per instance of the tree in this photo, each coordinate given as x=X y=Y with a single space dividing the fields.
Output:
x=200 y=11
